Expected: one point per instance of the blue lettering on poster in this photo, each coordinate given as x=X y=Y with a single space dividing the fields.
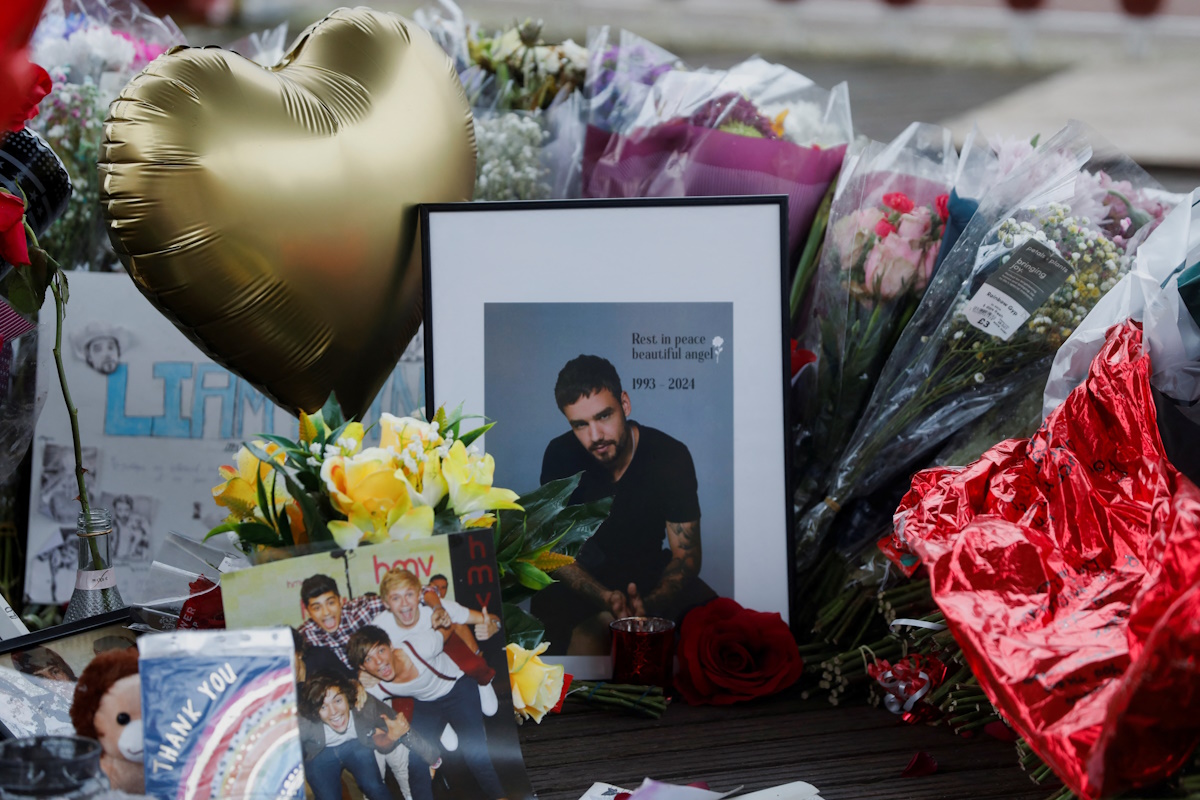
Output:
x=242 y=411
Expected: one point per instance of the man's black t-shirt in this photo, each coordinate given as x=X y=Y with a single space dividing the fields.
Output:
x=658 y=486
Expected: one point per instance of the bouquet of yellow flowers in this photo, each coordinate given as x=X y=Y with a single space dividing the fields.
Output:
x=424 y=477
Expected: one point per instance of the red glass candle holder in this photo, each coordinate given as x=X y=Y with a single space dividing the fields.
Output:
x=642 y=651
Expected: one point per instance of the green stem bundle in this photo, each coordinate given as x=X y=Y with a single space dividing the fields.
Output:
x=646 y=701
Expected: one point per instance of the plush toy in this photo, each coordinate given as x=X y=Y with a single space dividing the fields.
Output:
x=108 y=708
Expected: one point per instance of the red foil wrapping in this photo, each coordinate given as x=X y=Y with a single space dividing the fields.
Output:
x=204 y=608
x=1068 y=568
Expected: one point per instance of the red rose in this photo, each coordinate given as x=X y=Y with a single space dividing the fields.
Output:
x=942 y=201
x=14 y=248
x=801 y=357
x=728 y=654
x=899 y=201
x=883 y=228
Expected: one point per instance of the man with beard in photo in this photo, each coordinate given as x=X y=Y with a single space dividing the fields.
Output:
x=624 y=569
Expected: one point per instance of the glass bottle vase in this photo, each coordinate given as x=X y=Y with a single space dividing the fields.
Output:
x=96 y=581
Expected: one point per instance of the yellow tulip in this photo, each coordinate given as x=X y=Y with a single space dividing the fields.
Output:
x=469 y=482
x=536 y=686
x=239 y=492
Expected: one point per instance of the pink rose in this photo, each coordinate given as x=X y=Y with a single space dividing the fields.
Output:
x=852 y=232
x=892 y=267
x=916 y=224
x=927 y=264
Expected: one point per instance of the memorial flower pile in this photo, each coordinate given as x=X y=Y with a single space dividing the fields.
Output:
x=988 y=330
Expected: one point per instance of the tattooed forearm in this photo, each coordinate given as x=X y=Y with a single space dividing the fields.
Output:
x=578 y=579
x=684 y=566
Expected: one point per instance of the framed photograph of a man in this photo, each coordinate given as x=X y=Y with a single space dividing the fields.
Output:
x=641 y=344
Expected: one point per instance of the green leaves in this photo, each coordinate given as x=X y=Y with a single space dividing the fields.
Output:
x=548 y=524
x=25 y=286
x=522 y=628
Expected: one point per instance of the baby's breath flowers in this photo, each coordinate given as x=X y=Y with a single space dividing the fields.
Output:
x=510 y=157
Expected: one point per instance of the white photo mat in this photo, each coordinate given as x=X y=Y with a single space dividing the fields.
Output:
x=675 y=251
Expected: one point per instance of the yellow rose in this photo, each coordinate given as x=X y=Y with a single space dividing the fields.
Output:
x=239 y=492
x=469 y=482
x=536 y=686
x=372 y=492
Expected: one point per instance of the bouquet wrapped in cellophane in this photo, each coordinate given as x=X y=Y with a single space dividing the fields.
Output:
x=1042 y=249
x=655 y=130
x=885 y=230
x=91 y=48
x=527 y=104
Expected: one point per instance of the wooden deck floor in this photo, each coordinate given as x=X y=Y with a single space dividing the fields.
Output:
x=848 y=753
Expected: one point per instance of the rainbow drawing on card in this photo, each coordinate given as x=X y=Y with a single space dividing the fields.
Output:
x=250 y=747
x=220 y=722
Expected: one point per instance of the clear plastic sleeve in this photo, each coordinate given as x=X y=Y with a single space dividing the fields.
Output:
x=1150 y=293
x=885 y=231
x=91 y=48
x=20 y=401
x=209 y=694
x=530 y=155
x=966 y=347
x=757 y=128
x=265 y=48
x=622 y=67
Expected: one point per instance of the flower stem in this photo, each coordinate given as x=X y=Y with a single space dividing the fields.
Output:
x=60 y=311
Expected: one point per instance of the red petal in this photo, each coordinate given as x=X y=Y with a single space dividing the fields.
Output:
x=922 y=764
x=998 y=730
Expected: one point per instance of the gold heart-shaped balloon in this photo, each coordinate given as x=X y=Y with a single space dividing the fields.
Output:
x=271 y=213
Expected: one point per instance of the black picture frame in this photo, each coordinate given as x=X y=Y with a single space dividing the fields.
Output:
x=109 y=623
x=481 y=229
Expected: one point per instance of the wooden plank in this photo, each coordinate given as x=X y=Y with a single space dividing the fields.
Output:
x=848 y=753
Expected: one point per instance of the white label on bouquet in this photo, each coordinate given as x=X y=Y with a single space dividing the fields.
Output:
x=1012 y=293
x=95 y=579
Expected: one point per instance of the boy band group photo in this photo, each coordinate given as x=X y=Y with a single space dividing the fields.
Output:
x=395 y=683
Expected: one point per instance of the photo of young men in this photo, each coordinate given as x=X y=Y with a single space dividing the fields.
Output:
x=332 y=619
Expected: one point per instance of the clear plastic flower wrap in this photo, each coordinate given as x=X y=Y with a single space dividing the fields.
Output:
x=1150 y=293
x=526 y=100
x=885 y=230
x=622 y=67
x=91 y=48
x=756 y=128
x=515 y=67
x=20 y=401
x=1043 y=247
x=265 y=48
x=529 y=155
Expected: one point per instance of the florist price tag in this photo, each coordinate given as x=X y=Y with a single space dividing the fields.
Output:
x=1010 y=296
